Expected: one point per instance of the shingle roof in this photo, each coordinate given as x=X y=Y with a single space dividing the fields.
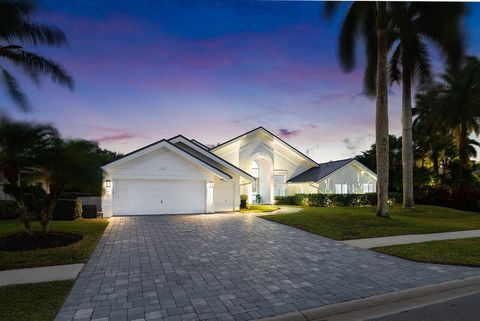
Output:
x=316 y=173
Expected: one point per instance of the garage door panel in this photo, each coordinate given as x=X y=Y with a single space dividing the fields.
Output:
x=223 y=196
x=143 y=197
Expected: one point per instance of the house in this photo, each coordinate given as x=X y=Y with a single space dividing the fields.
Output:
x=28 y=176
x=181 y=175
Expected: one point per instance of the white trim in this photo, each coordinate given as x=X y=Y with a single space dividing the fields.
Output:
x=171 y=147
x=211 y=155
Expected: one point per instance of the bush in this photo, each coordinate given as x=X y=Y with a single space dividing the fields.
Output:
x=460 y=198
x=333 y=200
x=8 y=209
x=67 y=210
x=243 y=201
x=284 y=200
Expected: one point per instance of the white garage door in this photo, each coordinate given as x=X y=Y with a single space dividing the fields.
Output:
x=143 y=197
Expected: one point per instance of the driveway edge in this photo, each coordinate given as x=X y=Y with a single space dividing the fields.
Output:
x=385 y=304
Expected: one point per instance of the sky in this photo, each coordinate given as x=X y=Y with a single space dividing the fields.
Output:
x=210 y=70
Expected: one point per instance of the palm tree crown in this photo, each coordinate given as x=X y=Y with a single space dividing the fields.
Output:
x=17 y=31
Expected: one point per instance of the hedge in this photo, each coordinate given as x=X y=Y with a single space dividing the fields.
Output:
x=8 y=209
x=332 y=200
x=460 y=198
x=67 y=210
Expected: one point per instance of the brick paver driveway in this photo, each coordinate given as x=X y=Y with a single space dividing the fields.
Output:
x=229 y=267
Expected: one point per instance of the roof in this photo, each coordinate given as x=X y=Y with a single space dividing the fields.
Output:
x=315 y=174
x=166 y=143
x=270 y=133
x=207 y=156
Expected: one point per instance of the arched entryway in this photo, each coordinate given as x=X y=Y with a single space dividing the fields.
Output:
x=261 y=167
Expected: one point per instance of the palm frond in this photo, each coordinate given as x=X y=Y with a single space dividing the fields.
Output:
x=14 y=91
x=36 y=34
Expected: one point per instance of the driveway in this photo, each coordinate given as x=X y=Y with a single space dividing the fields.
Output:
x=229 y=267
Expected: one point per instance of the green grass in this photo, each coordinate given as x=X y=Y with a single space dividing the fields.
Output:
x=79 y=252
x=260 y=209
x=456 y=252
x=33 y=302
x=347 y=223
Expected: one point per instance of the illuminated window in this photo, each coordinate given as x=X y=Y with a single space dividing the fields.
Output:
x=368 y=188
x=341 y=189
x=255 y=174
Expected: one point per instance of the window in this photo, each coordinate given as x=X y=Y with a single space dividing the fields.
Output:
x=255 y=171
x=368 y=188
x=279 y=182
x=341 y=189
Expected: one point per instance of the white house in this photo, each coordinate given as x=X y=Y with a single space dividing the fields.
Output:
x=180 y=175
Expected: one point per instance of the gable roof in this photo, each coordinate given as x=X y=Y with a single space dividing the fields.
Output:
x=164 y=143
x=271 y=134
x=315 y=174
x=190 y=146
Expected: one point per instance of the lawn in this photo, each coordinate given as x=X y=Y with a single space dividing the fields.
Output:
x=79 y=252
x=457 y=252
x=347 y=223
x=33 y=302
x=259 y=209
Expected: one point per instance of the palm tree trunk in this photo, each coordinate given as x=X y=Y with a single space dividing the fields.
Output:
x=381 y=125
x=407 y=139
x=463 y=151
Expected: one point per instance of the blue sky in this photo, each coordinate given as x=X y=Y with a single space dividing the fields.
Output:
x=148 y=69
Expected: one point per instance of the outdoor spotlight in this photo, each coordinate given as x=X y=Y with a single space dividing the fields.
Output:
x=210 y=184
x=108 y=183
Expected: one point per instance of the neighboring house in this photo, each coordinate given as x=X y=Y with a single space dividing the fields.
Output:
x=179 y=175
x=28 y=177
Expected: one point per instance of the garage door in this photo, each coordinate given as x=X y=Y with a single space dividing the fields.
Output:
x=143 y=197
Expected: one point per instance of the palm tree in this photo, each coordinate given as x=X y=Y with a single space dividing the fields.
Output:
x=68 y=163
x=20 y=143
x=413 y=24
x=16 y=31
x=453 y=107
x=370 y=21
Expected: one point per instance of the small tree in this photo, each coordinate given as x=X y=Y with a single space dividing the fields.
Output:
x=68 y=163
x=20 y=145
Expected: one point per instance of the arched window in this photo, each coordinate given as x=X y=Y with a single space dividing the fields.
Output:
x=255 y=169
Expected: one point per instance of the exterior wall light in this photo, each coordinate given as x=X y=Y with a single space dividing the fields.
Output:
x=108 y=183
x=210 y=184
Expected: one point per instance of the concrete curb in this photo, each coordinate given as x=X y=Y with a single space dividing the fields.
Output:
x=40 y=274
x=385 y=304
x=411 y=238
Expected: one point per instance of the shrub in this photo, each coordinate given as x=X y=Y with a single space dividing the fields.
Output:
x=8 y=209
x=67 y=210
x=333 y=200
x=284 y=200
x=460 y=198
x=243 y=201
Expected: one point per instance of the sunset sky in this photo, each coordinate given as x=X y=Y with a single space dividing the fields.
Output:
x=147 y=69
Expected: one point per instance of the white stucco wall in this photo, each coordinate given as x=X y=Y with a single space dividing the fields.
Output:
x=158 y=164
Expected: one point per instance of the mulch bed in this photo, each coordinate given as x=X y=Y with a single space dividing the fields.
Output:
x=24 y=242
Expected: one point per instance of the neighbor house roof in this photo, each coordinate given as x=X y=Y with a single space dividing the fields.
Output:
x=271 y=134
x=315 y=174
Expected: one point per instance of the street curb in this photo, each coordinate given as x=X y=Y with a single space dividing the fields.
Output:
x=385 y=304
x=40 y=274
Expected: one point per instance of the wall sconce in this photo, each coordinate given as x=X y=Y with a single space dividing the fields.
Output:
x=210 y=184
x=108 y=183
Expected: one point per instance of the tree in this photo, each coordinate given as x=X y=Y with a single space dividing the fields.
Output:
x=452 y=107
x=20 y=144
x=17 y=31
x=370 y=21
x=71 y=162
x=412 y=25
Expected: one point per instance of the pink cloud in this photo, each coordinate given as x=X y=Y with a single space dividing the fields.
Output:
x=287 y=133
x=116 y=137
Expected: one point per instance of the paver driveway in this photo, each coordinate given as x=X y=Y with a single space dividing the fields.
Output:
x=229 y=267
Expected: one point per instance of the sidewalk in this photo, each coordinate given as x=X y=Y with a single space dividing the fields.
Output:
x=412 y=238
x=40 y=274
